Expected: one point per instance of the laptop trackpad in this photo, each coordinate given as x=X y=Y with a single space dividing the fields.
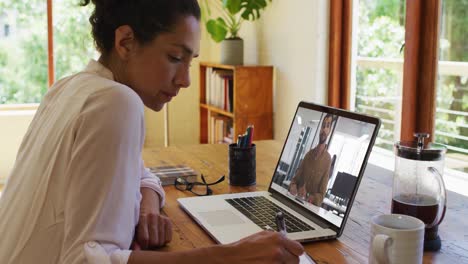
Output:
x=221 y=217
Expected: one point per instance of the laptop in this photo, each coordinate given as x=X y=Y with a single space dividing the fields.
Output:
x=314 y=184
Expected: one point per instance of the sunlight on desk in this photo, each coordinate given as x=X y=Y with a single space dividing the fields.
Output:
x=456 y=181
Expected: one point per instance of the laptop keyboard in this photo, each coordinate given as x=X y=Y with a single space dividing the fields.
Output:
x=262 y=212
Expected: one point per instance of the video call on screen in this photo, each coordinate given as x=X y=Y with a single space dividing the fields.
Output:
x=321 y=161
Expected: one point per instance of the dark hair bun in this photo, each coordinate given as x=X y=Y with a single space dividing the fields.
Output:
x=147 y=18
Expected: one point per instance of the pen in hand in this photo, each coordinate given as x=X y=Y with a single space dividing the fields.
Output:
x=280 y=223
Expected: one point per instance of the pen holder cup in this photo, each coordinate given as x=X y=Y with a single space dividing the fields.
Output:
x=242 y=169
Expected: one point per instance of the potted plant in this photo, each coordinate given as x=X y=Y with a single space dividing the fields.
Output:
x=225 y=28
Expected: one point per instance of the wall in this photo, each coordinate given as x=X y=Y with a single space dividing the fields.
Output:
x=13 y=126
x=293 y=37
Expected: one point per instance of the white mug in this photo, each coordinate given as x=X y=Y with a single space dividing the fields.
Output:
x=396 y=238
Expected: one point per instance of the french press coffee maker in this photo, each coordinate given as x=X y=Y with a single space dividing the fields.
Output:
x=418 y=186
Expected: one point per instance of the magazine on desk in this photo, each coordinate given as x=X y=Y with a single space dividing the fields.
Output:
x=169 y=173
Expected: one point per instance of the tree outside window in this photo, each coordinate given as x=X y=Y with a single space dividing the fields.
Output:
x=452 y=87
x=377 y=91
x=23 y=53
x=380 y=36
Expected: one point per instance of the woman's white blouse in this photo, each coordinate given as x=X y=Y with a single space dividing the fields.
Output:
x=74 y=193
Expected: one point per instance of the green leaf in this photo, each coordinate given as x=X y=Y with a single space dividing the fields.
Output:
x=251 y=8
x=218 y=29
x=233 y=6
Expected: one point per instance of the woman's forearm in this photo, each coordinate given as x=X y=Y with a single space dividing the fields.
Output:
x=261 y=248
x=208 y=255
x=149 y=201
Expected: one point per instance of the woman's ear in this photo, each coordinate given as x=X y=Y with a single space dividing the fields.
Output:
x=125 y=41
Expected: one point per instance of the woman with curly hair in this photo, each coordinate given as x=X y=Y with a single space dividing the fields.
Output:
x=79 y=192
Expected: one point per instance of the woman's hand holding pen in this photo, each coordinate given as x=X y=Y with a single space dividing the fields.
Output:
x=282 y=230
x=265 y=247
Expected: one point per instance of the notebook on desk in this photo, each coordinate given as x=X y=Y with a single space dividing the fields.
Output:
x=169 y=173
x=303 y=184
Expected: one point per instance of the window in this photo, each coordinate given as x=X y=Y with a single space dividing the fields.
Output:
x=24 y=46
x=451 y=119
x=394 y=71
x=378 y=76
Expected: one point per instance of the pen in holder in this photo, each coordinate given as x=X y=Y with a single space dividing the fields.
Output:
x=242 y=168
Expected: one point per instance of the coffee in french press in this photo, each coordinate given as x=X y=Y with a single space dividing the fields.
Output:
x=418 y=186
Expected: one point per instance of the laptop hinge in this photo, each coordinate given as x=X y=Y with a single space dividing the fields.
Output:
x=304 y=212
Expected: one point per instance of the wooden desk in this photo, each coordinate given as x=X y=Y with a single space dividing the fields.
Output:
x=374 y=197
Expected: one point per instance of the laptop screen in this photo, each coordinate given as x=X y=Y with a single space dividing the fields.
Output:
x=321 y=161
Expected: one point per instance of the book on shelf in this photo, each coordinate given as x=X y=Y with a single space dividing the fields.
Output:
x=220 y=128
x=208 y=84
x=168 y=174
x=219 y=88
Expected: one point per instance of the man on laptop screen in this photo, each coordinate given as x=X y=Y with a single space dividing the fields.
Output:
x=311 y=178
x=323 y=154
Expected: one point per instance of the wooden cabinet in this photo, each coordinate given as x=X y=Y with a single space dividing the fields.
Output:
x=250 y=102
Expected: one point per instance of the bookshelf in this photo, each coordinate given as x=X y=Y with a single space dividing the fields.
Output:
x=233 y=97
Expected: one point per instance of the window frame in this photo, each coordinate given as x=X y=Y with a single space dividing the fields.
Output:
x=50 y=44
x=339 y=53
x=419 y=69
